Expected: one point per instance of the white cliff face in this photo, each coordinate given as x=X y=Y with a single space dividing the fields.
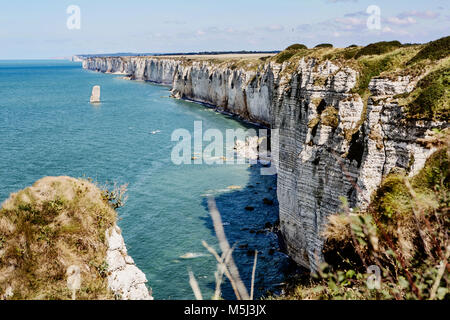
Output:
x=138 y=68
x=244 y=93
x=330 y=144
x=125 y=280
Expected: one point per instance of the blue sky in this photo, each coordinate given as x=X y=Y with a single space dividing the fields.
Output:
x=37 y=29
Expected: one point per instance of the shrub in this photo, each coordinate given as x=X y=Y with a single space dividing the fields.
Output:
x=350 y=53
x=290 y=52
x=370 y=69
x=284 y=56
x=434 y=50
x=324 y=45
x=296 y=46
x=431 y=97
x=378 y=48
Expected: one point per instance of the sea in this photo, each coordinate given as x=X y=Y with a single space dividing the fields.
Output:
x=49 y=128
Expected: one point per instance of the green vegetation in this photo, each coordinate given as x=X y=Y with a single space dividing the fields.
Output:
x=44 y=229
x=378 y=48
x=296 y=46
x=431 y=98
x=370 y=68
x=324 y=45
x=404 y=231
x=433 y=51
x=387 y=59
x=287 y=54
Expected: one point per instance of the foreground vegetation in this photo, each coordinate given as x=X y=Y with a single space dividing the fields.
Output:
x=404 y=232
x=45 y=229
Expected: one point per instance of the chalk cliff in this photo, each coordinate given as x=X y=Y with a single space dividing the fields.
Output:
x=125 y=279
x=333 y=141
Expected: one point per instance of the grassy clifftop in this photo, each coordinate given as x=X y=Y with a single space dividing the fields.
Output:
x=44 y=229
x=427 y=64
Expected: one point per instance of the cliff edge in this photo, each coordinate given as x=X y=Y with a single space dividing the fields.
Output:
x=346 y=117
x=61 y=224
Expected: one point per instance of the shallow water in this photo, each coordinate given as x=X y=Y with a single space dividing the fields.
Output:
x=49 y=128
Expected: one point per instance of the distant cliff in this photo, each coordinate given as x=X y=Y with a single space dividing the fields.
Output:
x=346 y=119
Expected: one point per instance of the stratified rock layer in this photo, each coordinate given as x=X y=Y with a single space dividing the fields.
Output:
x=332 y=143
x=125 y=279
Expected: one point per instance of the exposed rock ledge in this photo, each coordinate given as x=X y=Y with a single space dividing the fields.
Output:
x=125 y=279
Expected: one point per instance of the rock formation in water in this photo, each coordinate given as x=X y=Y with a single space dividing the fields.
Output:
x=95 y=96
x=342 y=125
x=58 y=225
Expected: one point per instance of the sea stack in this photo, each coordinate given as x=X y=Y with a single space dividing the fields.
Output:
x=95 y=97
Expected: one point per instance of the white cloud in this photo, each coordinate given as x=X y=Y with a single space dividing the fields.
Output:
x=428 y=14
x=401 y=21
x=275 y=27
x=351 y=21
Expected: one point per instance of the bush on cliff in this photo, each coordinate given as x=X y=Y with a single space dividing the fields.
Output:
x=324 y=45
x=378 y=48
x=431 y=97
x=44 y=229
x=370 y=68
x=404 y=232
x=434 y=50
x=296 y=46
x=296 y=49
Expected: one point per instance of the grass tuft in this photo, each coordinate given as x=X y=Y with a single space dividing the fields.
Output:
x=44 y=229
x=433 y=51
x=378 y=48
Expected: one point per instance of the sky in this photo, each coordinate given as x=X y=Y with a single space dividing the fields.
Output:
x=38 y=29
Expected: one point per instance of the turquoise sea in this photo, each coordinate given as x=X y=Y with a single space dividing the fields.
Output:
x=49 y=128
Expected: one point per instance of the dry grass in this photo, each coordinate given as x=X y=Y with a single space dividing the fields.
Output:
x=338 y=228
x=225 y=263
x=44 y=229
